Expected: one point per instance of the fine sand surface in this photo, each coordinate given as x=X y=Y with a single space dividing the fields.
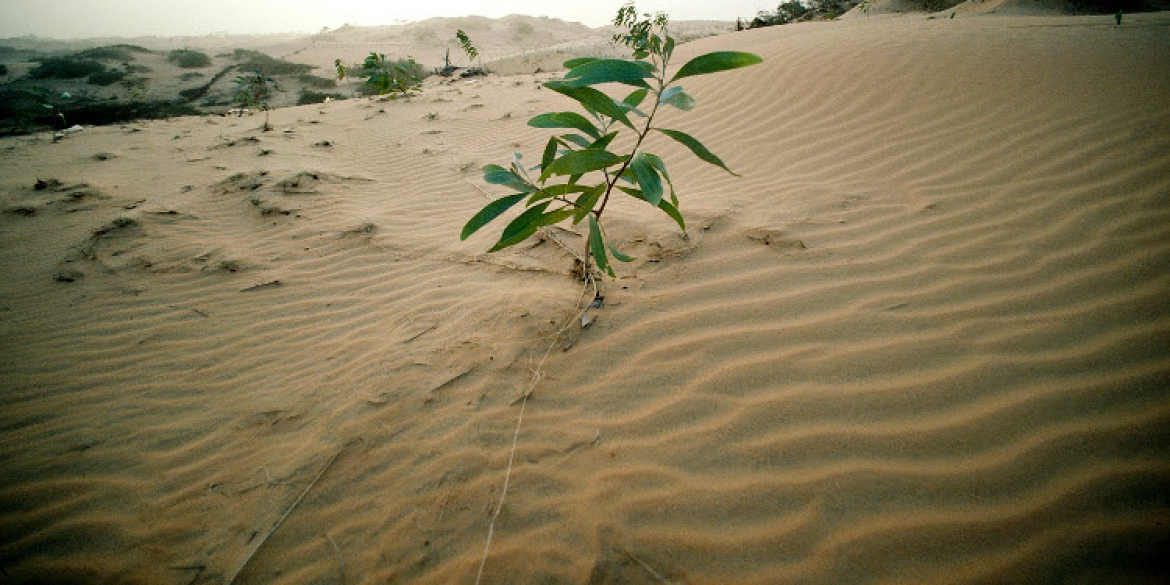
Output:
x=924 y=338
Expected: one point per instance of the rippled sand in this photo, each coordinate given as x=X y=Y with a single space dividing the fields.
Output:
x=924 y=338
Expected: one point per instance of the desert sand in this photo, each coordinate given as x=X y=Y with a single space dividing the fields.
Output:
x=924 y=337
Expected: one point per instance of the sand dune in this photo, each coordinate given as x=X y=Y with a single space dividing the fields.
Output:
x=923 y=338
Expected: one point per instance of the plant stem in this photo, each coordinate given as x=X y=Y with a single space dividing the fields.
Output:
x=612 y=181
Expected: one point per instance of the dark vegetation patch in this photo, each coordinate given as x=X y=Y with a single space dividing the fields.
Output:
x=106 y=77
x=194 y=93
x=315 y=97
x=3 y=69
x=316 y=82
x=112 y=53
x=70 y=67
x=248 y=60
x=189 y=59
x=96 y=113
x=24 y=111
x=800 y=11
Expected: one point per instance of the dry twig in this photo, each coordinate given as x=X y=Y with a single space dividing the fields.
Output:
x=260 y=545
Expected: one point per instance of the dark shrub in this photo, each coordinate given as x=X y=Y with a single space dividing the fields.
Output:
x=787 y=12
x=65 y=68
x=95 y=113
x=257 y=61
x=315 y=97
x=107 y=77
x=188 y=59
x=3 y=69
x=111 y=53
x=317 y=82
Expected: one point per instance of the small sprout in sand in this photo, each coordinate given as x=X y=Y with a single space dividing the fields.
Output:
x=253 y=90
x=559 y=188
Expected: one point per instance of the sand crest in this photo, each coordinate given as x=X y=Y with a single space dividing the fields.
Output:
x=924 y=338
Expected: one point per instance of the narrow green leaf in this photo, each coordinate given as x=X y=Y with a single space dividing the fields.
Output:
x=558 y=190
x=696 y=147
x=608 y=71
x=647 y=178
x=664 y=205
x=580 y=162
x=603 y=142
x=617 y=254
x=550 y=152
x=597 y=246
x=660 y=166
x=576 y=139
x=571 y=63
x=586 y=202
x=554 y=217
x=715 y=62
x=565 y=120
x=521 y=228
x=497 y=175
x=592 y=100
x=489 y=212
x=635 y=98
x=678 y=98
x=674 y=214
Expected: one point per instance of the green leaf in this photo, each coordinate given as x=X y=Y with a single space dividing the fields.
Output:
x=597 y=246
x=664 y=205
x=579 y=61
x=657 y=163
x=696 y=147
x=592 y=99
x=554 y=217
x=558 y=190
x=576 y=139
x=580 y=162
x=647 y=178
x=565 y=120
x=715 y=62
x=497 y=175
x=489 y=212
x=608 y=71
x=674 y=214
x=587 y=201
x=678 y=98
x=550 y=152
x=521 y=228
x=617 y=254
x=635 y=99
x=603 y=142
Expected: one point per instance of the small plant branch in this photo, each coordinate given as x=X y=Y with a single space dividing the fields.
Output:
x=574 y=156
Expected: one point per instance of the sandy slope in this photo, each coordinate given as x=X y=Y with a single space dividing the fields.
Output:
x=924 y=338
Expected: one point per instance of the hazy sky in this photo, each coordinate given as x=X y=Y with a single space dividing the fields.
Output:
x=97 y=18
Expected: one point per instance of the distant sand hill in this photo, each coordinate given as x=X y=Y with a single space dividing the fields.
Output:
x=923 y=338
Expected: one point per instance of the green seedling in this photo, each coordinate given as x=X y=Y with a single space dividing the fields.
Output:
x=578 y=172
x=383 y=76
x=253 y=90
x=465 y=42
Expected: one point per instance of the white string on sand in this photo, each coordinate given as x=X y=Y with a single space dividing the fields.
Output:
x=281 y=521
x=536 y=375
